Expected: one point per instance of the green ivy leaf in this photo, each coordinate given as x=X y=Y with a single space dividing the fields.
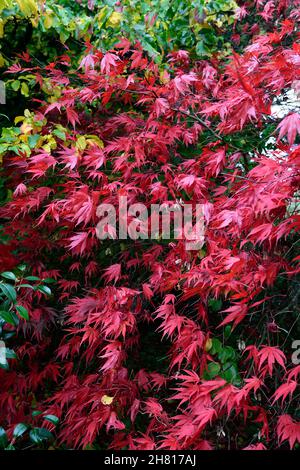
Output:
x=213 y=369
x=216 y=346
x=226 y=354
x=230 y=372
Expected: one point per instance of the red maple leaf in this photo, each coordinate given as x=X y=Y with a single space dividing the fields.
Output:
x=288 y=429
x=284 y=390
x=290 y=126
x=268 y=356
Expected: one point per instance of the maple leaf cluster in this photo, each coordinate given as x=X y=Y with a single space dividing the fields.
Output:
x=149 y=345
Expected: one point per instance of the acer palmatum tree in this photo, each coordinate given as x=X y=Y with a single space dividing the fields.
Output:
x=156 y=346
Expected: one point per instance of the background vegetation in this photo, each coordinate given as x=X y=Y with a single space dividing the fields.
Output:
x=135 y=344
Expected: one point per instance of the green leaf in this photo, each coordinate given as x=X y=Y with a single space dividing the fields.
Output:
x=230 y=372
x=213 y=369
x=150 y=49
x=5 y=305
x=44 y=289
x=26 y=286
x=3 y=438
x=32 y=278
x=38 y=435
x=201 y=48
x=22 y=267
x=10 y=354
x=9 y=317
x=9 y=291
x=20 y=429
x=15 y=85
x=52 y=419
x=49 y=280
x=216 y=346
x=9 y=275
x=22 y=311
x=33 y=140
x=215 y=304
x=227 y=331
x=60 y=134
x=227 y=354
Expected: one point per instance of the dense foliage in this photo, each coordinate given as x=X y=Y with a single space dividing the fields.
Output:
x=48 y=28
x=159 y=25
x=143 y=344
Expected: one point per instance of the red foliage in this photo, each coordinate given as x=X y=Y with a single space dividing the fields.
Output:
x=171 y=136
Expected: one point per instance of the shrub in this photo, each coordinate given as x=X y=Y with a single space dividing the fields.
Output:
x=147 y=344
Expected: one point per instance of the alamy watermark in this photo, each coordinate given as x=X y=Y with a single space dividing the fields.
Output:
x=2 y=353
x=2 y=93
x=178 y=221
x=296 y=353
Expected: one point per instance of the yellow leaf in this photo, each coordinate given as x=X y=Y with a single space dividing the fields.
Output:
x=1 y=28
x=94 y=139
x=81 y=143
x=19 y=119
x=106 y=400
x=48 y=20
x=26 y=128
x=208 y=345
x=100 y=18
x=25 y=89
x=49 y=143
x=47 y=148
x=2 y=62
x=23 y=138
x=28 y=7
x=114 y=19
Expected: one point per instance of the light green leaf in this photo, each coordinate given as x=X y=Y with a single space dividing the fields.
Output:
x=38 y=435
x=9 y=292
x=44 y=289
x=20 y=429
x=9 y=275
x=52 y=419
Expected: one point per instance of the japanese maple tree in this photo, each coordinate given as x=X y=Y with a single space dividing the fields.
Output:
x=148 y=345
